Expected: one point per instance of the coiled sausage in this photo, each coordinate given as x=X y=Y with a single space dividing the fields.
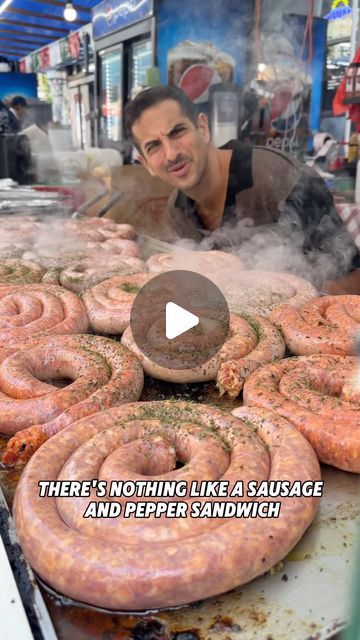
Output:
x=20 y=272
x=109 y=303
x=148 y=563
x=252 y=342
x=325 y=325
x=102 y=373
x=39 y=309
x=318 y=395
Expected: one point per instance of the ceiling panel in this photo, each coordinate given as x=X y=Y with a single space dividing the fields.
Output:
x=37 y=23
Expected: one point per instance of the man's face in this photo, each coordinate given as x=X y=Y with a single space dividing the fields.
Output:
x=172 y=147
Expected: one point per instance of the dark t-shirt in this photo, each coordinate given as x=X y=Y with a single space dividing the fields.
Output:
x=270 y=189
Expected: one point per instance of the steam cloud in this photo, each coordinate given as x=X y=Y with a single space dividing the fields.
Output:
x=323 y=251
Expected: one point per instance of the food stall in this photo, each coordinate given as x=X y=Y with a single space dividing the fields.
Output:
x=179 y=424
x=304 y=594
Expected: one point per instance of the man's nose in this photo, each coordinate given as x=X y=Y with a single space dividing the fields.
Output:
x=170 y=148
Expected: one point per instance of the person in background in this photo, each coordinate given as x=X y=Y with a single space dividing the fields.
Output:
x=5 y=126
x=18 y=109
x=231 y=188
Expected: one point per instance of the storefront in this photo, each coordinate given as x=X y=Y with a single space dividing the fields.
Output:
x=67 y=81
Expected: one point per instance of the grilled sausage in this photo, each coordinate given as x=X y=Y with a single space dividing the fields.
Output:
x=261 y=291
x=79 y=276
x=206 y=263
x=326 y=325
x=20 y=272
x=103 y=374
x=318 y=395
x=152 y=562
x=33 y=309
x=109 y=303
x=253 y=341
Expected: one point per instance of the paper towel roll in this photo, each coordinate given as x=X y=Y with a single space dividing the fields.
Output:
x=319 y=141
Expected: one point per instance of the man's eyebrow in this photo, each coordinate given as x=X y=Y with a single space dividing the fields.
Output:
x=176 y=126
x=150 y=142
x=181 y=123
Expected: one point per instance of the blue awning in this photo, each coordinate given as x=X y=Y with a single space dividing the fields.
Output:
x=27 y=25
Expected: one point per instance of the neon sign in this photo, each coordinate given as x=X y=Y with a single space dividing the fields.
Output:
x=339 y=12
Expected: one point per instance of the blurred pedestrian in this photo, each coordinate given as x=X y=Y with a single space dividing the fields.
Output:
x=18 y=109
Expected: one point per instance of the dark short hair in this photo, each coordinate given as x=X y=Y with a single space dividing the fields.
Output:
x=151 y=97
x=18 y=101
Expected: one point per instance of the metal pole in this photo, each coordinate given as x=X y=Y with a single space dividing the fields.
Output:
x=353 y=40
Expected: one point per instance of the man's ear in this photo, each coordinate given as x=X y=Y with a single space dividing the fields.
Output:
x=203 y=125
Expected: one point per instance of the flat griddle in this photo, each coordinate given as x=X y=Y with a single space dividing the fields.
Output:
x=306 y=597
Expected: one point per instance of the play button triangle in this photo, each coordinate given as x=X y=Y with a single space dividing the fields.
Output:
x=178 y=320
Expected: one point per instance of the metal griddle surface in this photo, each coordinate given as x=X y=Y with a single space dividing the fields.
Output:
x=305 y=598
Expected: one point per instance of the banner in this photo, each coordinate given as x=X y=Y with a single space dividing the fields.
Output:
x=74 y=45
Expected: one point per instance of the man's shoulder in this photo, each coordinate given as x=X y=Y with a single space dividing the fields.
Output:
x=279 y=155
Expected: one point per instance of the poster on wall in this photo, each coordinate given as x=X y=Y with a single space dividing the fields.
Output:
x=289 y=85
x=199 y=46
x=195 y=66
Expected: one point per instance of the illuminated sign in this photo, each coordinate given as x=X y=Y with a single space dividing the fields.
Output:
x=113 y=15
x=339 y=12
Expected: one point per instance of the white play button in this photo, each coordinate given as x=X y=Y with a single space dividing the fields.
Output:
x=178 y=320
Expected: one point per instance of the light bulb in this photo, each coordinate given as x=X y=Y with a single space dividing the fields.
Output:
x=70 y=13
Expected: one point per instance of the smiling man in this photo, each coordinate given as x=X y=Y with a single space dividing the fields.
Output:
x=232 y=189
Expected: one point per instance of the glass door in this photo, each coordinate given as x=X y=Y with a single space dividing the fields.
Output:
x=111 y=104
x=75 y=112
x=140 y=59
x=85 y=110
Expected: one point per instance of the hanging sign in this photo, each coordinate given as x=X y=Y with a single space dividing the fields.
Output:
x=113 y=15
x=339 y=9
x=74 y=45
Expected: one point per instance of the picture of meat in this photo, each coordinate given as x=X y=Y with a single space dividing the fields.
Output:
x=148 y=563
x=31 y=310
x=196 y=81
x=320 y=397
x=327 y=325
x=100 y=374
x=195 y=66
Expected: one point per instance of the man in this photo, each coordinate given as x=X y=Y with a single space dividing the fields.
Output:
x=225 y=194
x=4 y=118
x=18 y=109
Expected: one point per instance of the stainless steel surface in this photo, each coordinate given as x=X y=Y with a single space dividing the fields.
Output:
x=14 y=622
x=26 y=595
x=304 y=598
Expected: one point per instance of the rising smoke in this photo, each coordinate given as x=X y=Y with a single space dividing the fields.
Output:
x=308 y=240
